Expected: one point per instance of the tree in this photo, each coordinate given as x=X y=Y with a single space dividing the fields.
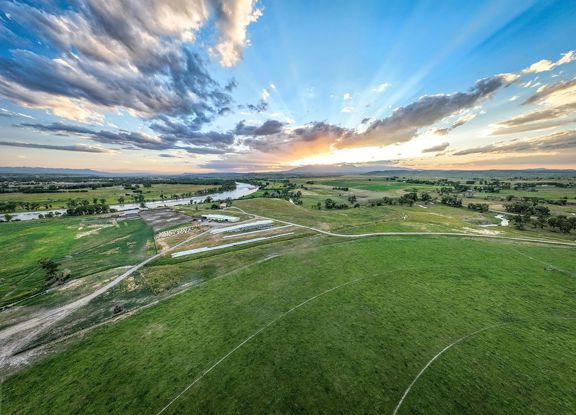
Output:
x=53 y=273
x=425 y=197
x=520 y=221
x=8 y=217
x=121 y=200
x=329 y=204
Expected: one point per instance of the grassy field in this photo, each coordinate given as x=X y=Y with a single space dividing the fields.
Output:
x=375 y=184
x=82 y=245
x=378 y=186
x=111 y=194
x=346 y=326
x=434 y=218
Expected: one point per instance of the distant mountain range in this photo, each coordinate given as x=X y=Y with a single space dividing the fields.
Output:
x=70 y=172
x=45 y=170
x=345 y=168
x=312 y=170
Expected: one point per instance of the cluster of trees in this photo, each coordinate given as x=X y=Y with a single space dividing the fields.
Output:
x=11 y=206
x=344 y=189
x=216 y=206
x=406 y=199
x=527 y=208
x=559 y=223
x=332 y=204
x=53 y=187
x=480 y=207
x=54 y=276
x=529 y=212
x=451 y=200
x=8 y=206
x=80 y=207
x=285 y=193
x=562 y=223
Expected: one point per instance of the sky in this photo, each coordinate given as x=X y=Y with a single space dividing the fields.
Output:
x=174 y=86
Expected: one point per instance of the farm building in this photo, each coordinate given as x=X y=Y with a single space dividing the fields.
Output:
x=244 y=226
x=220 y=218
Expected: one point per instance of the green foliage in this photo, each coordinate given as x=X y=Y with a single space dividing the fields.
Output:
x=479 y=207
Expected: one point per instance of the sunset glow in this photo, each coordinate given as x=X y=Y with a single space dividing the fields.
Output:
x=260 y=87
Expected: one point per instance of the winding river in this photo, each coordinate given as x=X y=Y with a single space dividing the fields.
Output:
x=242 y=189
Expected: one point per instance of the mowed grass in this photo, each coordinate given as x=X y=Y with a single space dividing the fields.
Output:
x=82 y=245
x=111 y=194
x=340 y=328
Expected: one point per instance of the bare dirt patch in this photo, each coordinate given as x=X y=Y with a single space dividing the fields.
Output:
x=162 y=218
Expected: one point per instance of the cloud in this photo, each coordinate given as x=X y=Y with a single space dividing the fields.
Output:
x=79 y=147
x=126 y=139
x=381 y=87
x=313 y=138
x=269 y=127
x=537 y=120
x=545 y=65
x=434 y=149
x=264 y=95
x=460 y=122
x=347 y=96
x=133 y=54
x=261 y=106
x=347 y=109
x=557 y=141
x=404 y=123
x=233 y=18
x=10 y=114
x=560 y=93
x=316 y=130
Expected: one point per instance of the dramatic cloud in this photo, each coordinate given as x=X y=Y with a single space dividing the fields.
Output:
x=233 y=18
x=130 y=54
x=435 y=149
x=126 y=139
x=545 y=65
x=552 y=142
x=313 y=138
x=404 y=123
x=174 y=136
x=560 y=93
x=77 y=147
x=537 y=120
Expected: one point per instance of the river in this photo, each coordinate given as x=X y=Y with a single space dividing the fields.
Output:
x=242 y=189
